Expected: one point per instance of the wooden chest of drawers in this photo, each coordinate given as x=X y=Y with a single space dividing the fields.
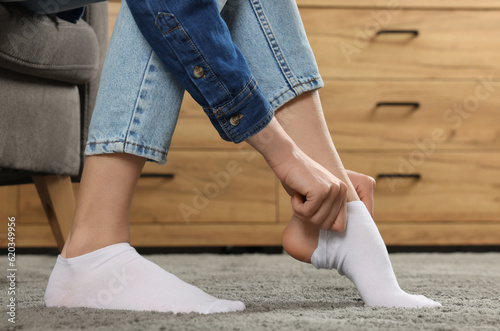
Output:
x=412 y=98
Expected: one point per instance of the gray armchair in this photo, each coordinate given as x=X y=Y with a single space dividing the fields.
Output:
x=49 y=74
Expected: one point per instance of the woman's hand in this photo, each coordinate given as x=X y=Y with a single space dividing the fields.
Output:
x=365 y=187
x=317 y=196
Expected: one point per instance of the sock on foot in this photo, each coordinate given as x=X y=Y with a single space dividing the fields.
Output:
x=117 y=277
x=360 y=254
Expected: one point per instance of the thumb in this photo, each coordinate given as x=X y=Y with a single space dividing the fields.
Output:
x=299 y=206
x=303 y=208
x=288 y=189
x=297 y=201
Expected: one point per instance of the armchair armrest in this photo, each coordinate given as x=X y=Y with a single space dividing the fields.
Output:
x=96 y=16
x=72 y=56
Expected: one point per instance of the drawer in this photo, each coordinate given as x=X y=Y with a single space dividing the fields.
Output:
x=449 y=44
x=452 y=186
x=436 y=116
x=194 y=130
x=214 y=187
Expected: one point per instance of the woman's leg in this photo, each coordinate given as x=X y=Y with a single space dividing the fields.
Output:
x=134 y=119
x=99 y=269
x=286 y=71
x=103 y=204
x=303 y=120
x=359 y=252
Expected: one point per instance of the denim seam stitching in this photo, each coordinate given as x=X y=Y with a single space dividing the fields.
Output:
x=247 y=85
x=273 y=43
x=256 y=127
x=293 y=89
x=138 y=95
x=193 y=45
x=170 y=31
x=233 y=133
x=158 y=26
x=204 y=61
x=126 y=143
x=220 y=113
x=246 y=97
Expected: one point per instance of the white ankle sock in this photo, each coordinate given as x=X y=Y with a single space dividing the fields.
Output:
x=360 y=254
x=117 y=277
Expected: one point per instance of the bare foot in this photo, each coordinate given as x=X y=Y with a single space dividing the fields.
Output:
x=300 y=239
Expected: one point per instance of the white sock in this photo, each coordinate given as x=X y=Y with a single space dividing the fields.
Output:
x=117 y=277
x=360 y=254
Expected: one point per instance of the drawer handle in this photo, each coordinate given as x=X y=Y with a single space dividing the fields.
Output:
x=412 y=32
x=414 y=176
x=415 y=105
x=157 y=175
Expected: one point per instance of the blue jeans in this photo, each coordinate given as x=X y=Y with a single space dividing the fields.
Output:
x=139 y=101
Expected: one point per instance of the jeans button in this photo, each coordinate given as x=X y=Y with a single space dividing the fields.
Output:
x=235 y=120
x=198 y=72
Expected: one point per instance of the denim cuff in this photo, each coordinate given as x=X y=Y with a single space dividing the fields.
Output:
x=243 y=116
x=195 y=46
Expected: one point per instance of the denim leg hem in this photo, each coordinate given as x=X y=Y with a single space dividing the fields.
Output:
x=305 y=85
x=107 y=147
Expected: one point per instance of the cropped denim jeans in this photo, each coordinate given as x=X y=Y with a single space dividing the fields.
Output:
x=139 y=101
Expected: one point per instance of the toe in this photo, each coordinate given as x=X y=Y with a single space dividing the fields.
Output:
x=428 y=303
x=225 y=306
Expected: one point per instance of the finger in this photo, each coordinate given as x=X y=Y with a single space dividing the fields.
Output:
x=340 y=223
x=368 y=201
x=369 y=205
x=297 y=200
x=368 y=195
x=335 y=204
x=304 y=208
x=374 y=185
x=329 y=221
x=365 y=190
x=288 y=189
x=327 y=213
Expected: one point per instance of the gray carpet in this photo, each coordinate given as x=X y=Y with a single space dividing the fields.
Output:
x=282 y=294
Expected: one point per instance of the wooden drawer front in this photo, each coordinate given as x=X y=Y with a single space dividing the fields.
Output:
x=452 y=187
x=450 y=44
x=449 y=115
x=207 y=187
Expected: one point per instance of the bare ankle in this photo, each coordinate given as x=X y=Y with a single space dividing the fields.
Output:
x=75 y=247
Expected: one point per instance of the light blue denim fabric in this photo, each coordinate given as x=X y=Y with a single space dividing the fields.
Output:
x=194 y=43
x=139 y=101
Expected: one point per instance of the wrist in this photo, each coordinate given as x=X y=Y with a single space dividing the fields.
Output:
x=274 y=144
